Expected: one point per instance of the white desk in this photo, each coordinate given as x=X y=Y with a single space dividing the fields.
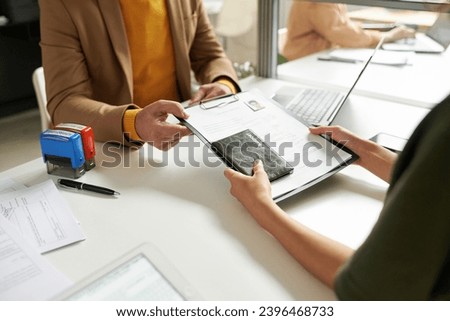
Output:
x=423 y=84
x=363 y=115
x=189 y=215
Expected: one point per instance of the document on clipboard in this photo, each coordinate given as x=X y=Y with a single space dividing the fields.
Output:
x=311 y=158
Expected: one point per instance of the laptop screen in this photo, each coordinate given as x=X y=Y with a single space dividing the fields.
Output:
x=363 y=69
x=440 y=30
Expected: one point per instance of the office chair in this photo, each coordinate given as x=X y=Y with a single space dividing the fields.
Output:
x=41 y=96
x=237 y=26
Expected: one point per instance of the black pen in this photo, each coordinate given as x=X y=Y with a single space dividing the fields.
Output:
x=86 y=187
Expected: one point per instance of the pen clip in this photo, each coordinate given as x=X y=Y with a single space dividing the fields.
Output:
x=68 y=184
x=219 y=101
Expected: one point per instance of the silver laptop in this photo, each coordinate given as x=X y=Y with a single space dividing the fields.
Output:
x=316 y=106
x=435 y=40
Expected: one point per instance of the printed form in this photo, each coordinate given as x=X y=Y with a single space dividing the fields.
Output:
x=312 y=157
x=41 y=216
x=24 y=273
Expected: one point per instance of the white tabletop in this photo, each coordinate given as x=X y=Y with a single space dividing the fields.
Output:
x=423 y=82
x=186 y=211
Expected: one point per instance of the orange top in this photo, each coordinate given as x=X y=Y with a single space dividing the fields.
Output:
x=151 y=49
x=152 y=55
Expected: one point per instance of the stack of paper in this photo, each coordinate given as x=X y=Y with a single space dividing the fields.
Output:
x=33 y=220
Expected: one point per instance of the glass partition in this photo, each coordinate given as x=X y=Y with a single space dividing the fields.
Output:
x=254 y=32
x=236 y=25
x=300 y=42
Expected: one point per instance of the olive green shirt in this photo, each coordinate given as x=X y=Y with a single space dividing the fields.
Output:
x=407 y=254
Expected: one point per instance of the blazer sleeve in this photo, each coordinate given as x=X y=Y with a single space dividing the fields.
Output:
x=333 y=23
x=68 y=83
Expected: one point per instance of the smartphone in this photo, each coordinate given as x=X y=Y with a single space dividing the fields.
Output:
x=391 y=142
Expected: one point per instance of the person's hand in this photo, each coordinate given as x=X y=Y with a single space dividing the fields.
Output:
x=252 y=191
x=209 y=91
x=152 y=126
x=398 y=33
x=344 y=137
x=372 y=156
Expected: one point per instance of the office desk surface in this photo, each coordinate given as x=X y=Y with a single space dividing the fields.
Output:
x=424 y=83
x=188 y=214
x=363 y=115
x=186 y=211
x=422 y=19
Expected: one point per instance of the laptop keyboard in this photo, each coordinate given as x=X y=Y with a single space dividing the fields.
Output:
x=312 y=105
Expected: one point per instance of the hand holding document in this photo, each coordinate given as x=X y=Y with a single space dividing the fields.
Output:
x=313 y=157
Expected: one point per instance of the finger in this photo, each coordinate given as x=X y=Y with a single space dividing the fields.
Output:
x=169 y=131
x=231 y=174
x=214 y=90
x=184 y=131
x=199 y=95
x=258 y=169
x=258 y=166
x=321 y=130
x=170 y=107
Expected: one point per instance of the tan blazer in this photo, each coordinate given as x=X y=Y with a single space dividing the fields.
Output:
x=87 y=62
x=313 y=27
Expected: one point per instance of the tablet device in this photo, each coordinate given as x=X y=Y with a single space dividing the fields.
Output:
x=141 y=274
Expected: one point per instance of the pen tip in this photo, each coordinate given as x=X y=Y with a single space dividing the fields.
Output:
x=116 y=193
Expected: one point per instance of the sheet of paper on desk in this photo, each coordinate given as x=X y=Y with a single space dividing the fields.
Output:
x=381 y=57
x=9 y=185
x=24 y=273
x=42 y=216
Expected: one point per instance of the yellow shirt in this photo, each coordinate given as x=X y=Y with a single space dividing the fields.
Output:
x=151 y=49
x=152 y=57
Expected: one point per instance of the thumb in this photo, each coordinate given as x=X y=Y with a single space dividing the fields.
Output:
x=171 y=107
x=230 y=173
x=318 y=130
x=258 y=167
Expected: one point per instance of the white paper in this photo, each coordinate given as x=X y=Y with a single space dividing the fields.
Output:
x=41 y=216
x=10 y=185
x=381 y=56
x=311 y=155
x=25 y=274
